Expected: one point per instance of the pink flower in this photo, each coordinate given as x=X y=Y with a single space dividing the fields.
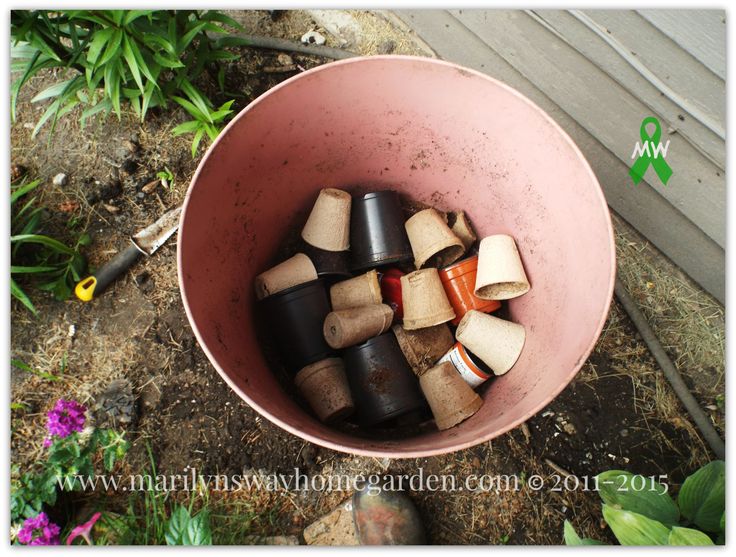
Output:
x=66 y=417
x=39 y=531
x=83 y=530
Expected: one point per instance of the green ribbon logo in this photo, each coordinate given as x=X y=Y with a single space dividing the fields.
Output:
x=650 y=144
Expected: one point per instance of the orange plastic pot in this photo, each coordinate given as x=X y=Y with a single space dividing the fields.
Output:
x=459 y=282
x=365 y=124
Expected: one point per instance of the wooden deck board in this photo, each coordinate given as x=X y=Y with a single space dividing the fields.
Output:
x=643 y=207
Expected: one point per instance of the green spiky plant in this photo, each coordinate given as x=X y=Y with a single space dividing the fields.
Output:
x=144 y=58
x=50 y=264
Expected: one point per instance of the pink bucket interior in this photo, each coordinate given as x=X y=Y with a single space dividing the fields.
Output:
x=442 y=134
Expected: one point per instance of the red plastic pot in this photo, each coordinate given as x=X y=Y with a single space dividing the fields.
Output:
x=483 y=147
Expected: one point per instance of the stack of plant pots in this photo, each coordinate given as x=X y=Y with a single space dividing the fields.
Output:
x=364 y=316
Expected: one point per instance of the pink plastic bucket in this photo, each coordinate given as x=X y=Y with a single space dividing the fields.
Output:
x=445 y=135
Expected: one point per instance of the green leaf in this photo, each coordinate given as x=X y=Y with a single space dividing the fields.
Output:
x=20 y=191
x=187 y=127
x=142 y=65
x=688 y=536
x=98 y=43
x=171 y=63
x=132 y=62
x=53 y=91
x=190 y=108
x=702 y=498
x=638 y=494
x=150 y=40
x=198 y=531
x=632 y=528
x=222 y=18
x=189 y=35
x=572 y=538
x=196 y=97
x=177 y=525
x=112 y=86
x=103 y=105
x=195 y=142
x=22 y=297
x=47 y=241
x=113 y=48
x=20 y=270
x=132 y=15
x=117 y=16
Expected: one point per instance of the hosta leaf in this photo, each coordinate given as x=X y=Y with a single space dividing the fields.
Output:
x=198 y=530
x=632 y=528
x=572 y=538
x=702 y=498
x=688 y=536
x=176 y=526
x=617 y=487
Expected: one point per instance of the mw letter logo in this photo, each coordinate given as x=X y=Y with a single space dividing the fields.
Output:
x=651 y=151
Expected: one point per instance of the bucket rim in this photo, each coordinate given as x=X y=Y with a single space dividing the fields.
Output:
x=397 y=452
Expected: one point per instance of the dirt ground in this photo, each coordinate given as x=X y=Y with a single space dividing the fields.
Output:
x=618 y=413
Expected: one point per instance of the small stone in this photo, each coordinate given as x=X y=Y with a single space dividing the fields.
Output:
x=312 y=37
x=111 y=208
x=17 y=171
x=140 y=195
x=386 y=47
x=624 y=432
x=475 y=463
x=61 y=180
x=285 y=60
x=150 y=186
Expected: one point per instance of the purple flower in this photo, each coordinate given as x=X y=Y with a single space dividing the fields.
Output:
x=84 y=530
x=39 y=531
x=66 y=418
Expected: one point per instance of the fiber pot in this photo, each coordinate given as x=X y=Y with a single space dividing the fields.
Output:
x=424 y=347
x=294 y=318
x=325 y=386
x=497 y=342
x=488 y=149
x=432 y=241
x=500 y=271
x=451 y=399
x=377 y=234
x=295 y=270
x=358 y=291
x=347 y=327
x=382 y=384
x=459 y=283
x=424 y=300
x=328 y=225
